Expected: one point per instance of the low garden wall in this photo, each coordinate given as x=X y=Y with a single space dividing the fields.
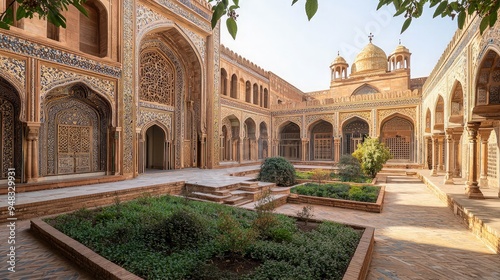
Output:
x=349 y=204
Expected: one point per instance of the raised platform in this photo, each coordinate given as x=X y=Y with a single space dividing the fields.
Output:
x=482 y=217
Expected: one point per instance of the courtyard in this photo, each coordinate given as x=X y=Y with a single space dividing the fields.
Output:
x=416 y=236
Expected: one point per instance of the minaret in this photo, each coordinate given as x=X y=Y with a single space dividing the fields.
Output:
x=339 y=68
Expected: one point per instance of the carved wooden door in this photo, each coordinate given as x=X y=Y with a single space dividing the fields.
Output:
x=74 y=149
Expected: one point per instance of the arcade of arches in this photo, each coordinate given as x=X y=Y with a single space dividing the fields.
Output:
x=97 y=99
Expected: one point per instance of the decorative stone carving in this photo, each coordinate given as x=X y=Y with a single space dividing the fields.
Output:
x=365 y=115
x=147 y=116
x=157 y=83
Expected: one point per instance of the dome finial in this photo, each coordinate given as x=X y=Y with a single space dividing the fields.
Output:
x=400 y=41
x=338 y=53
x=370 y=37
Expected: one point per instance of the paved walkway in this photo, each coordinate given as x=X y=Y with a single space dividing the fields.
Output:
x=417 y=236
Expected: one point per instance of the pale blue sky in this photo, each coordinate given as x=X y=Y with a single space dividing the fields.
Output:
x=278 y=37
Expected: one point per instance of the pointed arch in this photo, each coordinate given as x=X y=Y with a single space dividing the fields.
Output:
x=289 y=141
x=439 y=114
x=263 y=140
x=354 y=132
x=321 y=140
x=398 y=133
x=487 y=85
x=428 y=121
x=456 y=104
x=365 y=89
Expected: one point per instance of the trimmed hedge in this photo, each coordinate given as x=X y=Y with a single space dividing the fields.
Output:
x=339 y=191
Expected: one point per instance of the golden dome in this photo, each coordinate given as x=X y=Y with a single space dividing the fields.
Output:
x=401 y=49
x=339 y=60
x=371 y=58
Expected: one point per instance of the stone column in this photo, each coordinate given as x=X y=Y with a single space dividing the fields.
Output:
x=483 y=178
x=304 y=149
x=448 y=178
x=457 y=151
x=240 y=150
x=336 y=144
x=32 y=132
x=440 y=153
x=435 y=147
x=472 y=189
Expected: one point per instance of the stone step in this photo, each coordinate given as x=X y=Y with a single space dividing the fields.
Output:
x=280 y=190
x=243 y=202
x=210 y=197
x=234 y=200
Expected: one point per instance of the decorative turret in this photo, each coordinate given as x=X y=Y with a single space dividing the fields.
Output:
x=400 y=58
x=339 y=68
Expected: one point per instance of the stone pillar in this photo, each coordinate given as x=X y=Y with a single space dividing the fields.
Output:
x=32 y=132
x=240 y=150
x=440 y=153
x=483 y=178
x=204 y=152
x=435 y=147
x=304 y=149
x=457 y=164
x=472 y=189
x=448 y=179
x=336 y=144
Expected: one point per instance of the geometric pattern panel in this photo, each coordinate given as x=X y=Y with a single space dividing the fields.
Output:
x=74 y=149
x=492 y=160
x=7 y=119
x=157 y=82
x=397 y=134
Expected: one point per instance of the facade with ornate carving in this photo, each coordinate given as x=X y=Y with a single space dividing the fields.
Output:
x=141 y=85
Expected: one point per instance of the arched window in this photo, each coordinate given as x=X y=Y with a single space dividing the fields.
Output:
x=255 y=94
x=234 y=86
x=93 y=29
x=248 y=94
x=266 y=98
x=223 y=79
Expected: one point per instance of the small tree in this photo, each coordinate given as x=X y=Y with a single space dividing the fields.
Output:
x=372 y=154
x=349 y=168
x=277 y=170
x=320 y=175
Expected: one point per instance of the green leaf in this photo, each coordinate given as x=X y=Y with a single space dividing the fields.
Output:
x=311 y=8
x=21 y=13
x=4 y=25
x=461 y=19
x=484 y=23
x=294 y=1
x=232 y=27
x=440 y=9
x=218 y=12
x=406 y=24
x=493 y=17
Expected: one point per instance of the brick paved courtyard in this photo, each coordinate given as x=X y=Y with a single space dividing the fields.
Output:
x=417 y=237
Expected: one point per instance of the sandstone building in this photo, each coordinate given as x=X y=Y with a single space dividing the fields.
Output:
x=139 y=85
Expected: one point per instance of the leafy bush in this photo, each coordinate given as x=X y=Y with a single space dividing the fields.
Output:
x=373 y=155
x=349 y=168
x=339 y=191
x=277 y=170
x=284 y=252
x=180 y=230
x=320 y=175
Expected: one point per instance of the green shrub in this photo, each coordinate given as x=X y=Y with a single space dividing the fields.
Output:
x=277 y=170
x=339 y=191
x=320 y=175
x=349 y=168
x=182 y=229
x=373 y=155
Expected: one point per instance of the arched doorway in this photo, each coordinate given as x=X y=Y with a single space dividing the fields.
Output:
x=11 y=130
x=397 y=133
x=155 y=140
x=249 y=140
x=290 y=142
x=354 y=132
x=263 y=141
x=75 y=132
x=321 y=141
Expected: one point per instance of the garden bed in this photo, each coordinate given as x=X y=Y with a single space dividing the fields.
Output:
x=329 y=196
x=124 y=235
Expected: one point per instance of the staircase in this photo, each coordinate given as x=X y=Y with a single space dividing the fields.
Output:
x=234 y=194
